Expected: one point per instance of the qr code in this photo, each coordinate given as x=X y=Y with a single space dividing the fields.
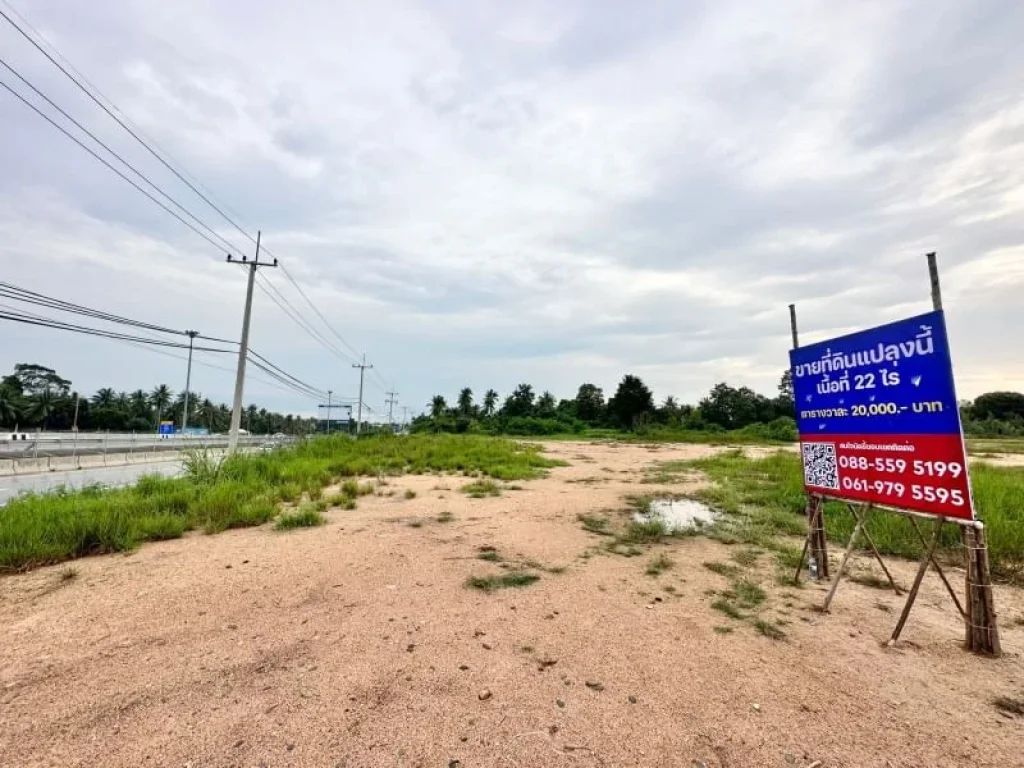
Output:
x=821 y=469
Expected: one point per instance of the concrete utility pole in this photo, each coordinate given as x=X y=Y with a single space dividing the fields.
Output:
x=329 y=393
x=390 y=400
x=362 y=372
x=243 y=347
x=188 y=380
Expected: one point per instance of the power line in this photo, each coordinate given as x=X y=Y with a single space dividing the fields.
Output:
x=105 y=98
x=61 y=128
x=118 y=120
x=131 y=167
x=282 y=302
x=15 y=315
x=16 y=293
x=165 y=162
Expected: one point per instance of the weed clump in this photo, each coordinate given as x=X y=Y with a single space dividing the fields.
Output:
x=503 y=581
x=305 y=517
x=478 y=489
x=659 y=565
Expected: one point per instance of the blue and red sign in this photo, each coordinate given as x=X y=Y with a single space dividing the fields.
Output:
x=879 y=421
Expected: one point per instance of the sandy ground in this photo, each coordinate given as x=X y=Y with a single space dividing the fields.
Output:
x=357 y=644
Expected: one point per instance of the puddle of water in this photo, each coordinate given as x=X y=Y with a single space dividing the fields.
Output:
x=678 y=515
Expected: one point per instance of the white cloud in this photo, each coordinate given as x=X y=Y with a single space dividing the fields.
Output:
x=484 y=194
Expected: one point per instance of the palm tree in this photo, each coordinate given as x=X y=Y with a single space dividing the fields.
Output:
x=11 y=407
x=466 y=401
x=159 y=399
x=41 y=406
x=139 y=403
x=438 y=406
x=104 y=398
x=490 y=402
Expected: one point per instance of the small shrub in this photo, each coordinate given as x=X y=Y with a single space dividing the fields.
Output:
x=350 y=488
x=723 y=629
x=306 y=517
x=445 y=517
x=410 y=493
x=415 y=523
x=490 y=555
x=68 y=573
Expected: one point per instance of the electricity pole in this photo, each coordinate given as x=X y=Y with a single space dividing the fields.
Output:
x=329 y=393
x=390 y=400
x=243 y=347
x=405 y=415
x=188 y=380
x=362 y=372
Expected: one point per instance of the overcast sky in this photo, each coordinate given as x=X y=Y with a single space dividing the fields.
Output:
x=483 y=193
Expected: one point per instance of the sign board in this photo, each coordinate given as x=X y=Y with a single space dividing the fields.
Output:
x=166 y=428
x=879 y=421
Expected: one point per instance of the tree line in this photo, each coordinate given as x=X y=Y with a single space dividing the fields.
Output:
x=34 y=396
x=632 y=407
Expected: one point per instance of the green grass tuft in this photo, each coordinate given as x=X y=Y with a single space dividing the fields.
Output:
x=305 y=517
x=502 y=581
x=478 y=489
x=659 y=565
x=594 y=524
x=445 y=517
x=727 y=607
x=768 y=629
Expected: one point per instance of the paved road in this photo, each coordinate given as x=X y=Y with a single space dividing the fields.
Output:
x=12 y=485
x=93 y=443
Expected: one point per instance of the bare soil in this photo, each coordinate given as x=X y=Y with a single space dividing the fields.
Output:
x=358 y=644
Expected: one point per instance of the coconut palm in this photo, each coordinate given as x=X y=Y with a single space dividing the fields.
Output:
x=159 y=399
x=11 y=407
x=438 y=406
x=41 y=406
x=466 y=402
x=490 y=402
x=104 y=398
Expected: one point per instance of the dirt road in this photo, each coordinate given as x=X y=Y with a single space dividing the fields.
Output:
x=359 y=644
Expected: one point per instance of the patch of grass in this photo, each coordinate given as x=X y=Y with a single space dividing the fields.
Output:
x=68 y=573
x=658 y=565
x=764 y=498
x=723 y=569
x=415 y=523
x=745 y=557
x=490 y=555
x=1009 y=704
x=445 y=517
x=594 y=524
x=868 y=579
x=305 y=517
x=645 y=532
x=883 y=607
x=240 y=490
x=768 y=629
x=409 y=493
x=514 y=487
x=727 y=607
x=723 y=629
x=748 y=593
x=502 y=581
x=478 y=489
